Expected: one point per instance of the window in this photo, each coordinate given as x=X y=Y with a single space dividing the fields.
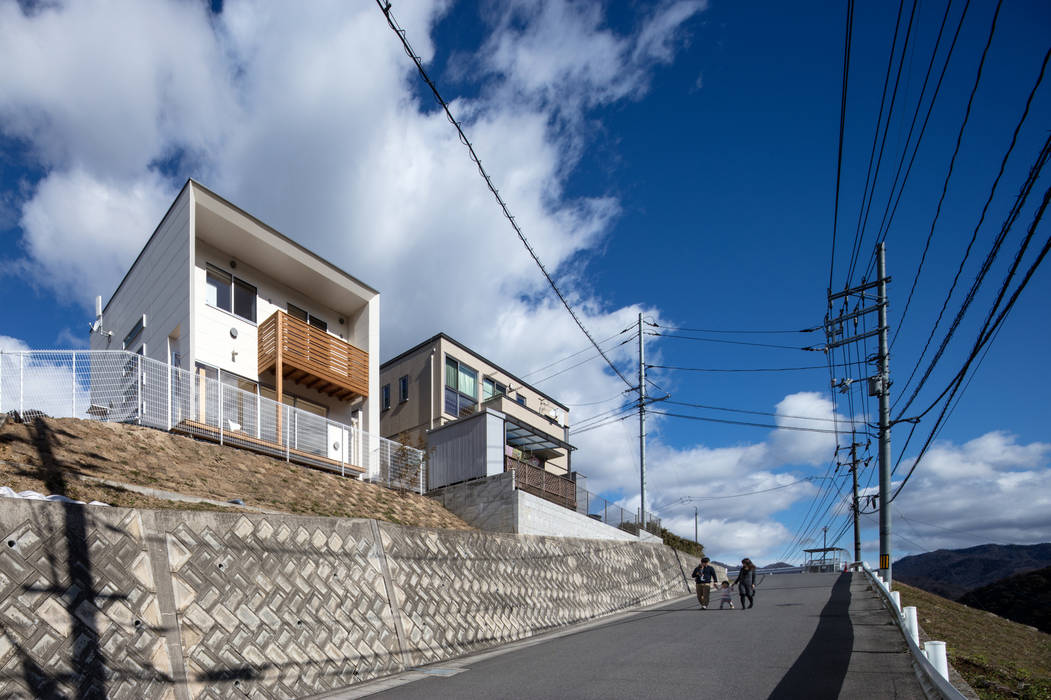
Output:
x=520 y=399
x=491 y=388
x=461 y=388
x=134 y=332
x=226 y=292
x=403 y=389
x=385 y=396
x=302 y=315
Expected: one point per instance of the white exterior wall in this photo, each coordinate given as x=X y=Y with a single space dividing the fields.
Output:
x=157 y=285
x=535 y=516
x=215 y=346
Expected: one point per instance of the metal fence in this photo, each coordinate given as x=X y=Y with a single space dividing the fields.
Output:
x=118 y=386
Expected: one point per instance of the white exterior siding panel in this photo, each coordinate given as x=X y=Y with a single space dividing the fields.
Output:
x=156 y=285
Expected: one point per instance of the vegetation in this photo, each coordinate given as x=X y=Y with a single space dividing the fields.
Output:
x=91 y=461
x=682 y=544
x=1000 y=659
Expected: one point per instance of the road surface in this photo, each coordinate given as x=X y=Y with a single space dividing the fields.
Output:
x=809 y=636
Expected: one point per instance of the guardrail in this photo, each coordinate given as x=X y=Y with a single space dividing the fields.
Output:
x=931 y=662
x=122 y=387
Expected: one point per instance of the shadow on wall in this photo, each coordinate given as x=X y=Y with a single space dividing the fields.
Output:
x=88 y=663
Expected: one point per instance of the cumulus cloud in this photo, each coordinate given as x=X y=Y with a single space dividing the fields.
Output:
x=9 y=344
x=990 y=489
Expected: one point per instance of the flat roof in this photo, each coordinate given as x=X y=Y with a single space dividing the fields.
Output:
x=420 y=346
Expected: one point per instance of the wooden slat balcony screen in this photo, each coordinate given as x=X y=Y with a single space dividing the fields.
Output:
x=540 y=482
x=311 y=357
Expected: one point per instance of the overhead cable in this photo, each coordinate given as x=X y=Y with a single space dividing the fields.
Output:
x=385 y=8
x=949 y=172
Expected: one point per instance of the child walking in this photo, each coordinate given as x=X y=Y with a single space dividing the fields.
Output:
x=725 y=596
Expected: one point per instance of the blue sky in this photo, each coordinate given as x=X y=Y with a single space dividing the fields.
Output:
x=673 y=158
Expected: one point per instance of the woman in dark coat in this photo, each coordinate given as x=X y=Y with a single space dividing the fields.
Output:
x=745 y=582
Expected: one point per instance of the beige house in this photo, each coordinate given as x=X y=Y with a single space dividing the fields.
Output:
x=441 y=382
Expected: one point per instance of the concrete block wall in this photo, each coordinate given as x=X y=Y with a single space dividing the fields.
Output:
x=123 y=603
x=536 y=516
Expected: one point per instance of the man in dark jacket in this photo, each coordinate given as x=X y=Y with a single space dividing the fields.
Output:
x=704 y=575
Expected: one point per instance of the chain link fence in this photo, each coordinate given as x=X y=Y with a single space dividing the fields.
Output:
x=118 y=386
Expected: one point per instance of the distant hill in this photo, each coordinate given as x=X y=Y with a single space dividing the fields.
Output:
x=1024 y=598
x=778 y=565
x=952 y=572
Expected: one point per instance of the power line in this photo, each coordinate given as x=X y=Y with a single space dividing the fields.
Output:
x=948 y=174
x=691 y=499
x=859 y=233
x=889 y=211
x=756 y=413
x=735 y=422
x=731 y=332
x=574 y=354
x=988 y=331
x=842 y=122
x=385 y=8
x=578 y=364
x=730 y=342
x=751 y=369
x=1012 y=217
x=981 y=218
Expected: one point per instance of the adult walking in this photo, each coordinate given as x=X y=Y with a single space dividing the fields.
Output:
x=745 y=582
x=704 y=574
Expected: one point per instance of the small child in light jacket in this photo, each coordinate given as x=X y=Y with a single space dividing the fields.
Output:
x=725 y=596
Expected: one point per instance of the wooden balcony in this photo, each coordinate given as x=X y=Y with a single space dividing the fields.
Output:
x=309 y=356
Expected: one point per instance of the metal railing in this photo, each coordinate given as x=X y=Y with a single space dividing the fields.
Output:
x=566 y=493
x=118 y=386
x=931 y=663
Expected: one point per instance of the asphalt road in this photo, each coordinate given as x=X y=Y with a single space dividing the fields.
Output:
x=808 y=636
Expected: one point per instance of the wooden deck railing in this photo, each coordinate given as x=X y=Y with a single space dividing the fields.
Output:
x=309 y=356
x=540 y=482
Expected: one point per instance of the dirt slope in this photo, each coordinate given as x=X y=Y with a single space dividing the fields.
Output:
x=52 y=454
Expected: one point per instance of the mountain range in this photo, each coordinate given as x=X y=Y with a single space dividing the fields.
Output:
x=952 y=572
x=1012 y=581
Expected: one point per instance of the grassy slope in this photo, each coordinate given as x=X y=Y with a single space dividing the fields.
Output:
x=50 y=456
x=1000 y=659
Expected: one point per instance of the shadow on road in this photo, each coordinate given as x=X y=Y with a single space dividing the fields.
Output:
x=821 y=668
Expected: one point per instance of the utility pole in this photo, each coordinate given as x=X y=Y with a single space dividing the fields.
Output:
x=642 y=430
x=882 y=387
x=878 y=385
x=854 y=503
x=695 y=540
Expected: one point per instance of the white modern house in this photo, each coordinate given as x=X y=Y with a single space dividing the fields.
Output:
x=264 y=344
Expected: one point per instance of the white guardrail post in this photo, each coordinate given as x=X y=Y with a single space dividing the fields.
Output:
x=931 y=662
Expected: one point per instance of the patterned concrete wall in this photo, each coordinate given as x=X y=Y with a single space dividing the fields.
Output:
x=109 y=602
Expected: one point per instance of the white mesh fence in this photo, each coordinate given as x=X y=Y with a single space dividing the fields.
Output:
x=118 y=386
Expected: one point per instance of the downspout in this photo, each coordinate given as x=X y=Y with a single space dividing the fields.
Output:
x=431 y=402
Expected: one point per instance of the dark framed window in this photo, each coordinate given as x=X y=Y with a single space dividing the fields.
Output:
x=385 y=396
x=134 y=332
x=304 y=315
x=461 y=388
x=226 y=292
x=491 y=388
x=403 y=389
x=520 y=399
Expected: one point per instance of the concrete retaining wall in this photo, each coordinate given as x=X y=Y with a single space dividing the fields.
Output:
x=535 y=516
x=494 y=505
x=167 y=604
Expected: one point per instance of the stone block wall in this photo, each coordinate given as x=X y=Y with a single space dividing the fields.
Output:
x=110 y=602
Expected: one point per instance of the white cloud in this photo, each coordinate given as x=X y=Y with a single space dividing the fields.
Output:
x=9 y=344
x=990 y=489
x=82 y=232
